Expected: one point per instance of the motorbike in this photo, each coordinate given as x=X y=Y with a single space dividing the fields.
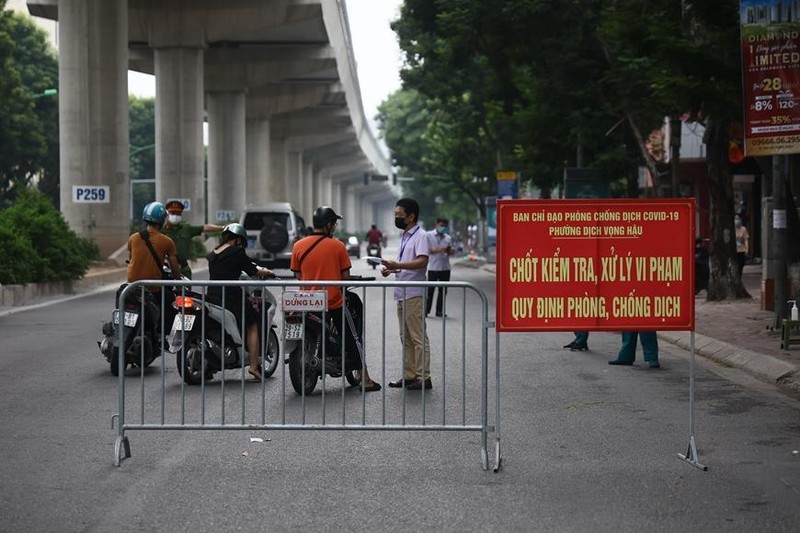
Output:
x=374 y=250
x=307 y=337
x=141 y=330
x=200 y=355
x=701 y=265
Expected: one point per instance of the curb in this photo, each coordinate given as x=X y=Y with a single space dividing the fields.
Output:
x=785 y=376
x=766 y=368
x=18 y=296
x=21 y=295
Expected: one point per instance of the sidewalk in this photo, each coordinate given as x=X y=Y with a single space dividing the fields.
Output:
x=735 y=334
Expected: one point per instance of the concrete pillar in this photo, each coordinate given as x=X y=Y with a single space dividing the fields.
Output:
x=93 y=119
x=325 y=188
x=179 y=128
x=278 y=181
x=258 y=161
x=226 y=155
x=294 y=185
x=350 y=206
x=338 y=195
x=312 y=198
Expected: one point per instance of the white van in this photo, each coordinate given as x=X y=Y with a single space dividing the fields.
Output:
x=272 y=229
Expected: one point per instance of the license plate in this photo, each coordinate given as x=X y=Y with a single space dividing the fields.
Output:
x=292 y=331
x=183 y=323
x=129 y=319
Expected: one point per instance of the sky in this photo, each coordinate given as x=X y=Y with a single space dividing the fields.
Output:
x=375 y=47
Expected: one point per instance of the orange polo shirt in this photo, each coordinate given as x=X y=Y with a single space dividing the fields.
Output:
x=324 y=263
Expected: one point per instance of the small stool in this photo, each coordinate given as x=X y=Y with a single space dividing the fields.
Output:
x=790 y=333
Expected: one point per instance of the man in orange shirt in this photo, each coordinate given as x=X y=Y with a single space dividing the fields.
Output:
x=142 y=264
x=146 y=264
x=319 y=257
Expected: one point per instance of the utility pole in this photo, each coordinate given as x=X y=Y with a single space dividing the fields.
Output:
x=780 y=167
x=675 y=156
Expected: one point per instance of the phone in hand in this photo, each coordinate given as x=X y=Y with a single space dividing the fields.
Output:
x=375 y=261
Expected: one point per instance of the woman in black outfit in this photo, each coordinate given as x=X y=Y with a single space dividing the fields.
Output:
x=227 y=262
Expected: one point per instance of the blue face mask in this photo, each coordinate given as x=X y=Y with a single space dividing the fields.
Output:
x=441 y=229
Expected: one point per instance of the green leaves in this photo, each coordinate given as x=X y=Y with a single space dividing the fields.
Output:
x=526 y=84
x=29 y=129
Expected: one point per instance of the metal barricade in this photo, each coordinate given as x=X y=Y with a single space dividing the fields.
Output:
x=196 y=394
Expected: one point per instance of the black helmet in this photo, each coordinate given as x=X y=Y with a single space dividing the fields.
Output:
x=323 y=215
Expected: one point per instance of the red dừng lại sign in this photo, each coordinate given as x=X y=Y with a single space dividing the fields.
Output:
x=595 y=265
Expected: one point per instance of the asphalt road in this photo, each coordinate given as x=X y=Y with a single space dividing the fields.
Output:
x=586 y=446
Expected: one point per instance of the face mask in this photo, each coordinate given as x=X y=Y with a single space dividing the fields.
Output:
x=737 y=222
x=174 y=219
x=400 y=222
x=441 y=229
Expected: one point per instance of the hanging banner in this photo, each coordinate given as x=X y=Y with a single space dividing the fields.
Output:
x=595 y=265
x=770 y=36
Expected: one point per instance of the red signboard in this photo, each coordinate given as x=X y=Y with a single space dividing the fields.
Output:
x=595 y=265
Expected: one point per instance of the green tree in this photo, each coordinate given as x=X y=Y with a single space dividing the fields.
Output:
x=668 y=58
x=141 y=114
x=530 y=83
x=29 y=130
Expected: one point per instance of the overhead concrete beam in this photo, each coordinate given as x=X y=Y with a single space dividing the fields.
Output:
x=335 y=18
x=313 y=121
x=342 y=149
x=272 y=99
x=236 y=73
x=303 y=143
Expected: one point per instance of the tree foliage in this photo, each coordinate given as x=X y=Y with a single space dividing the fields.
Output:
x=29 y=129
x=536 y=85
x=141 y=114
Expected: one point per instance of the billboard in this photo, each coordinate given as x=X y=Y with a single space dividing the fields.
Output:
x=595 y=265
x=770 y=42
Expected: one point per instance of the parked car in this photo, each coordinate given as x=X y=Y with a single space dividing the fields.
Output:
x=272 y=229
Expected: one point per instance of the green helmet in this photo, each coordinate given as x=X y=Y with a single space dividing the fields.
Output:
x=234 y=229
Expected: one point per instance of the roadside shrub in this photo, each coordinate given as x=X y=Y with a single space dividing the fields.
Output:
x=16 y=256
x=41 y=247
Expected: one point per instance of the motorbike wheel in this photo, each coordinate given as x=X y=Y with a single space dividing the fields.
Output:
x=271 y=354
x=310 y=347
x=114 y=364
x=190 y=363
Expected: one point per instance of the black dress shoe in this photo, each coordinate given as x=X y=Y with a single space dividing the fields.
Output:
x=653 y=364
x=400 y=383
x=579 y=347
x=419 y=384
x=569 y=346
x=620 y=362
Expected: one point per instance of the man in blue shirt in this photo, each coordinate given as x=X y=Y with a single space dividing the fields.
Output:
x=410 y=266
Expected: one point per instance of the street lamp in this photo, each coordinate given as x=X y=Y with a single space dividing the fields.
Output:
x=136 y=149
x=46 y=92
